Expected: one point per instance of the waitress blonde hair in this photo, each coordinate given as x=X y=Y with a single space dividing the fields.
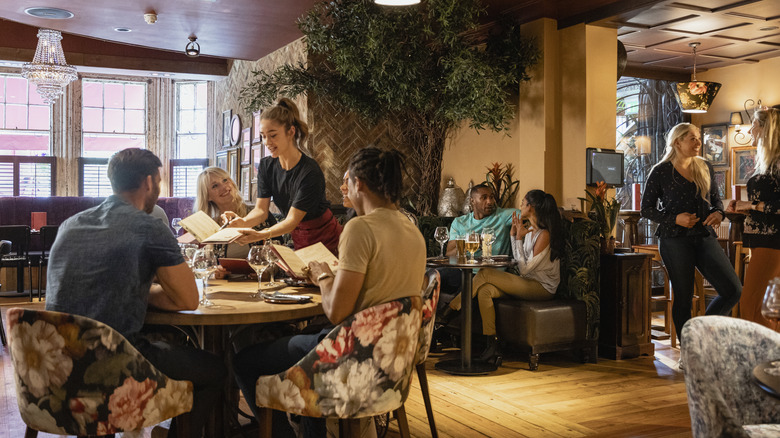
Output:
x=202 y=202
x=768 y=150
x=699 y=169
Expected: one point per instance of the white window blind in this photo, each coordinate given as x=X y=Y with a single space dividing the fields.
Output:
x=94 y=180
x=35 y=179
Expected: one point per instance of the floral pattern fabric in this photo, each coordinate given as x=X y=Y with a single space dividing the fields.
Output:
x=430 y=297
x=363 y=367
x=77 y=376
x=719 y=354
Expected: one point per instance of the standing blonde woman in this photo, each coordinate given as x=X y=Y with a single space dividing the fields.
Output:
x=682 y=198
x=294 y=181
x=762 y=224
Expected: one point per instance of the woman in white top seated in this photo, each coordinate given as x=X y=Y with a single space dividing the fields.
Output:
x=537 y=248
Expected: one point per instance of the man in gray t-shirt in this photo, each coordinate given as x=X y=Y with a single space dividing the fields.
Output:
x=102 y=265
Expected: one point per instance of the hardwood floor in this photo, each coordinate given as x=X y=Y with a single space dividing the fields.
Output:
x=642 y=397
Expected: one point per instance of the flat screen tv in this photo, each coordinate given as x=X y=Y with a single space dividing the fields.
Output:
x=604 y=165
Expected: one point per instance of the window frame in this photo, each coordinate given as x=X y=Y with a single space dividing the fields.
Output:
x=16 y=160
x=182 y=162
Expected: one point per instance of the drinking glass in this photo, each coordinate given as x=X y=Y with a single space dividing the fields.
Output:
x=488 y=237
x=770 y=308
x=460 y=244
x=271 y=257
x=442 y=236
x=257 y=261
x=175 y=223
x=204 y=263
x=187 y=251
x=472 y=245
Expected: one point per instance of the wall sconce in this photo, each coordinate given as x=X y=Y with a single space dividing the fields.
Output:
x=193 y=48
x=694 y=96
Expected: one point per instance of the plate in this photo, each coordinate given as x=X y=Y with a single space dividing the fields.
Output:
x=285 y=298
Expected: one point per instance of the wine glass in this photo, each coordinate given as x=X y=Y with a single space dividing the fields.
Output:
x=472 y=245
x=175 y=223
x=488 y=237
x=442 y=236
x=204 y=263
x=258 y=262
x=770 y=308
x=187 y=251
x=271 y=257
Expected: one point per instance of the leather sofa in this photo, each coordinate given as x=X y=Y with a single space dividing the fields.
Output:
x=570 y=321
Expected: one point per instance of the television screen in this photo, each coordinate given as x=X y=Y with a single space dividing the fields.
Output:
x=604 y=165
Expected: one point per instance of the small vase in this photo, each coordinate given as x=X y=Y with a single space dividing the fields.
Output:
x=608 y=245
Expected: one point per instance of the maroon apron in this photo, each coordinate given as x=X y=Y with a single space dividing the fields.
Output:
x=323 y=229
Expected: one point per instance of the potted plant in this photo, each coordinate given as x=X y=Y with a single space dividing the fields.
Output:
x=605 y=212
x=504 y=187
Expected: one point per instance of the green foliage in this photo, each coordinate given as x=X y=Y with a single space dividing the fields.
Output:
x=504 y=187
x=605 y=210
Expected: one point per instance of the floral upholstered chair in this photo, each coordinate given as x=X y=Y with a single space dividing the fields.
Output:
x=77 y=376
x=719 y=354
x=430 y=297
x=362 y=368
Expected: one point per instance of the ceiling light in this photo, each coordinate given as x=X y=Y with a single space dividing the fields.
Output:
x=193 y=48
x=48 y=70
x=694 y=96
x=396 y=2
x=123 y=29
x=768 y=28
x=49 y=13
x=150 y=18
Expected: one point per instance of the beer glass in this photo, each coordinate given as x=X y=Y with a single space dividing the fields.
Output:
x=472 y=245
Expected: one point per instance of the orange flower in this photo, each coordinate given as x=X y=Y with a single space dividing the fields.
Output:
x=697 y=88
x=601 y=190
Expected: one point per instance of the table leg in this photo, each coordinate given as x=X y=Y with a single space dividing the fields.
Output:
x=213 y=341
x=464 y=365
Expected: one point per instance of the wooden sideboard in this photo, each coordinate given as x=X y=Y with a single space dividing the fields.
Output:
x=625 y=305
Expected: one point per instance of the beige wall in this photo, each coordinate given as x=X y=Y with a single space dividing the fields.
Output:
x=568 y=106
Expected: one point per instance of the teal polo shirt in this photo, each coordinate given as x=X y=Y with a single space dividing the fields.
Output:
x=501 y=221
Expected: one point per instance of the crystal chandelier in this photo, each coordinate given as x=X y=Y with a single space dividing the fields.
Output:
x=48 y=70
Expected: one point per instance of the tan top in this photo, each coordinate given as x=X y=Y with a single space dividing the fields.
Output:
x=386 y=247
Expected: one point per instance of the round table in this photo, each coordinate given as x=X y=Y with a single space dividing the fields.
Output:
x=465 y=366
x=768 y=382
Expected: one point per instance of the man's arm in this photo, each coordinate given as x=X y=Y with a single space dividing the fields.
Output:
x=339 y=294
x=176 y=289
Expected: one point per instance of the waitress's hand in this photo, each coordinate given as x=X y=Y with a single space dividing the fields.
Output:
x=250 y=236
x=687 y=220
x=233 y=218
x=714 y=219
x=316 y=269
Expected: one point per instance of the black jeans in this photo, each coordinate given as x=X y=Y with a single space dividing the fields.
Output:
x=682 y=255
x=182 y=362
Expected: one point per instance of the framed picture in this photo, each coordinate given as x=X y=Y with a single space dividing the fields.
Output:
x=227 y=116
x=722 y=181
x=222 y=160
x=233 y=164
x=246 y=151
x=256 y=127
x=246 y=183
x=257 y=154
x=743 y=164
x=235 y=130
x=715 y=143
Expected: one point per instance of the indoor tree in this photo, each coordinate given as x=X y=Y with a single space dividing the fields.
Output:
x=425 y=70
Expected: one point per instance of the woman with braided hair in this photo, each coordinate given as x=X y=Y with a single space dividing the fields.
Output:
x=294 y=181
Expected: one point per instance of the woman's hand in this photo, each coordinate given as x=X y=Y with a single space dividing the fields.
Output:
x=731 y=208
x=233 y=219
x=250 y=235
x=714 y=219
x=740 y=206
x=518 y=229
x=220 y=273
x=319 y=268
x=687 y=220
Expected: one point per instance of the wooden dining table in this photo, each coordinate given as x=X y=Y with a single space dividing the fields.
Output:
x=233 y=308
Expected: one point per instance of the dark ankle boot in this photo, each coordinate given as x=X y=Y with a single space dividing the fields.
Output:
x=444 y=316
x=491 y=352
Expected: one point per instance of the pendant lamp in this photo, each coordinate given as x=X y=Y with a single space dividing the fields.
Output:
x=695 y=96
x=48 y=70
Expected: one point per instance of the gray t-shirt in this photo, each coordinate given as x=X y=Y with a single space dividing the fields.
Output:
x=103 y=262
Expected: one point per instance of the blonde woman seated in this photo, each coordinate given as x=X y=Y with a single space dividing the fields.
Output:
x=537 y=249
x=218 y=193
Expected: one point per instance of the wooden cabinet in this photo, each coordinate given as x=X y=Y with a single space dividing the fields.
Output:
x=625 y=305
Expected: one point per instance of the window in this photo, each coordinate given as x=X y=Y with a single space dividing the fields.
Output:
x=114 y=117
x=93 y=177
x=191 y=153
x=26 y=167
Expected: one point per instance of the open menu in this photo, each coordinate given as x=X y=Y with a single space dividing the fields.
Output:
x=206 y=230
x=294 y=262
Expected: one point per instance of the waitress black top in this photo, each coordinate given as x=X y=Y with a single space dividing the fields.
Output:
x=762 y=228
x=667 y=194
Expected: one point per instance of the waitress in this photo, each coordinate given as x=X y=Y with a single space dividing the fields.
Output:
x=294 y=181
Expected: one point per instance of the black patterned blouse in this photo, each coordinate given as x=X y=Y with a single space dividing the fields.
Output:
x=762 y=228
x=667 y=194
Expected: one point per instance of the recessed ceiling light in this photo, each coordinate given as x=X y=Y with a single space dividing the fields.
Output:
x=123 y=29
x=50 y=13
x=768 y=28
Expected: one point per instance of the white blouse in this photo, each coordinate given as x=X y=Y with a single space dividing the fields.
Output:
x=538 y=268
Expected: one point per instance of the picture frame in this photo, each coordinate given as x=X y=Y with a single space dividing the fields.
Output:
x=233 y=164
x=227 y=117
x=722 y=181
x=246 y=149
x=222 y=160
x=715 y=143
x=743 y=164
x=235 y=130
x=246 y=183
x=256 y=138
x=257 y=154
